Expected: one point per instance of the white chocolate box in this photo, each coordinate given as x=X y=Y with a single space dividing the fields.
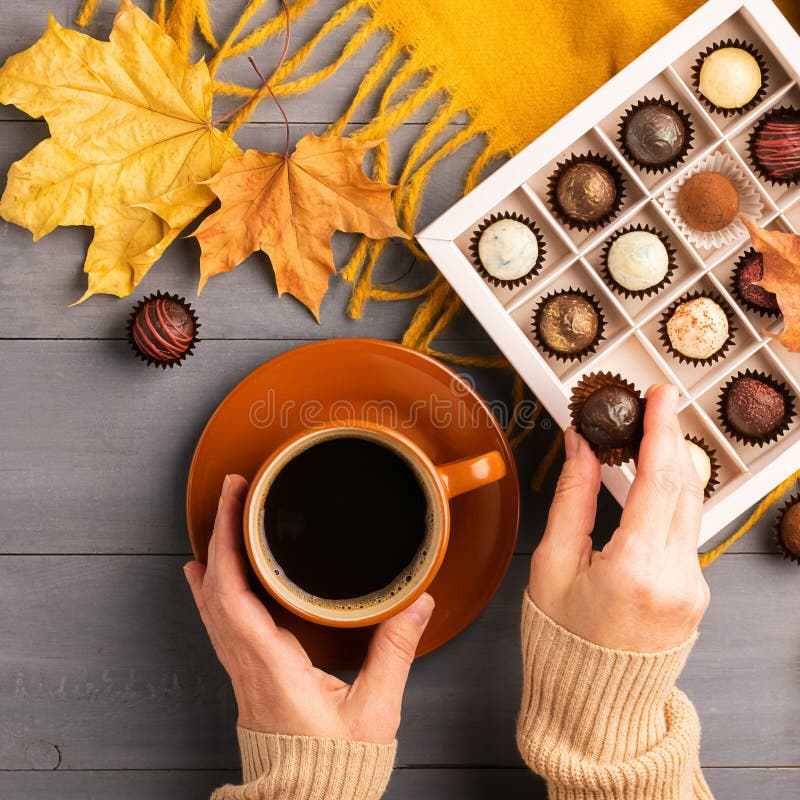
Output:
x=631 y=345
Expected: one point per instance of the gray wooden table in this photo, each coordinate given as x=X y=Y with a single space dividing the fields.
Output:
x=108 y=686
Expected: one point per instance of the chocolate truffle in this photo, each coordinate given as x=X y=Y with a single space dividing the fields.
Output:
x=775 y=146
x=568 y=323
x=789 y=530
x=638 y=260
x=698 y=328
x=654 y=135
x=730 y=77
x=701 y=461
x=508 y=249
x=612 y=417
x=753 y=408
x=162 y=329
x=749 y=271
x=708 y=201
x=586 y=191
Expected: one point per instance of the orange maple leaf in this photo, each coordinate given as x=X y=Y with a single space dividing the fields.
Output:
x=289 y=207
x=781 y=253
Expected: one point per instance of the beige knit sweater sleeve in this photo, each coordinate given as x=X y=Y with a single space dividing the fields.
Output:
x=278 y=767
x=598 y=724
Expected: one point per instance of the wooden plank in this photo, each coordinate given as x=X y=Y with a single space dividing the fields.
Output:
x=104 y=658
x=97 y=445
x=40 y=280
x=419 y=784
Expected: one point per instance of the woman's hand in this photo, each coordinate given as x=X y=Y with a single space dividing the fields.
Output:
x=277 y=688
x=644 y=591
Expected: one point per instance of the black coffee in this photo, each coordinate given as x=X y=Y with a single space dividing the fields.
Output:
x=345 y=517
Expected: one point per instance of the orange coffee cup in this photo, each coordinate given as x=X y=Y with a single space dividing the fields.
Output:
x=439 y=483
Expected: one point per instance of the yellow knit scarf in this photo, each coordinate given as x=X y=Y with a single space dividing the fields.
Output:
x=514 y=67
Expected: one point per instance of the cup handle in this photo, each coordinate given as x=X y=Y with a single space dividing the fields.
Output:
x=472 y=473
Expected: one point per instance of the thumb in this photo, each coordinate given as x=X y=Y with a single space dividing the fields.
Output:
x=380 y=684
x=570 y=522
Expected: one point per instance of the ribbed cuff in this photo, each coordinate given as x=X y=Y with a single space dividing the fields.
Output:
x=281 y=767
x=596 y=721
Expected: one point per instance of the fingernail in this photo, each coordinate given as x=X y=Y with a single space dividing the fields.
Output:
x=187 y=571
x=571 y=443
x=226 y=485
x=420 y=611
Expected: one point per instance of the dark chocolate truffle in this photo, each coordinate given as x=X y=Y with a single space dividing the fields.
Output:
x=754 y=408
x=775 y=146
x=654 y=135
x=162 y=329
x=789 y=530
x=586 y=191
x=568 y=323
x=612 y=417
x=750 y=270
x=708 y=201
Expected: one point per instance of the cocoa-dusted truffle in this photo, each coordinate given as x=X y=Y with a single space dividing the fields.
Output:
x=749 y=271
x=612 y=417
x=754 y=408
x=789 y=530
x=730 y=77
x=775 y=145
x=568 y=323
x=708 y=201
x=654 y=135
x=586 y=191
x=162 y=329
x=698 y=328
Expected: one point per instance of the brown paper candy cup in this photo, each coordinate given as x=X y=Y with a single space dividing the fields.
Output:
x=578 y=355
x=713 y=481
x=639 y=293
x=552 y=191
x=779 y=430
x=667 y=315
x=759 y=96
x=688 y=135
x=583 y=390
x=776 y=531
x=476 y=237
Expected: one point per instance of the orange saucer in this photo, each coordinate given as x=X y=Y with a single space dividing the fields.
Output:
x=424 y=400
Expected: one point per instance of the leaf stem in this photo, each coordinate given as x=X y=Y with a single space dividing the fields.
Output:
x=265 y=83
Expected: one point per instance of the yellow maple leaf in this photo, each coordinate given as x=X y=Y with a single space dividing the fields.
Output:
x=289 y=207
x=130 y=130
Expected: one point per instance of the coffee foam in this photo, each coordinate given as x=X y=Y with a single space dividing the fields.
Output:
x=407 y=580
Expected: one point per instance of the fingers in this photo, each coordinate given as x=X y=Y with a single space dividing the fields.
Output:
x=567 y=536
x=380 y=684
x=226 y=558
x=647 y=515
x=685 y=529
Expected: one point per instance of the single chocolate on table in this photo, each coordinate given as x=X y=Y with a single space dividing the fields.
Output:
x=612 y=417
x=568 y=323
x=775 y=145
x=708 y=201
x=654 y=134
x=586 y=191
x=749 y=271
x=162 y=329
x=789 y=530
x=754 y=408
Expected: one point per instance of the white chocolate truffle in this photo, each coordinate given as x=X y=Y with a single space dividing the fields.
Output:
x=698 y=328
x=701 y=461
x=730 y=77
x=638 y=260
x=508 y=249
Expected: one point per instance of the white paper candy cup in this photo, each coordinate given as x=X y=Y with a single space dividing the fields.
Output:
x=749 y=202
